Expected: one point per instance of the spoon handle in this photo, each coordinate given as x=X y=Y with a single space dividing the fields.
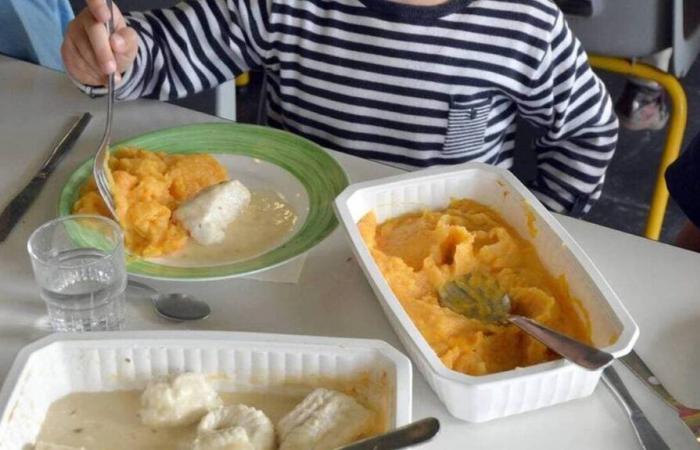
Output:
x=145 y=287
x=414 y=433
x=575 y=351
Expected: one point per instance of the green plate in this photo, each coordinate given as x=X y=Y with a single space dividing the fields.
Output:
x=262 y=158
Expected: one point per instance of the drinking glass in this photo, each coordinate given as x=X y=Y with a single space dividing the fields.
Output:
x=80 y=267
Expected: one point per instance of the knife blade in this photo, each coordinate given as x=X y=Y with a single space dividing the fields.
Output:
x=22 y=201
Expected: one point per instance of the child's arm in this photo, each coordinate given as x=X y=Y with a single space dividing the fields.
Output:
x=192 y=46
x=571 y=105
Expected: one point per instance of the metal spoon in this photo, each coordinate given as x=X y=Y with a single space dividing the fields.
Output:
x=413 y=433
x=478 y=296
x=177 y=307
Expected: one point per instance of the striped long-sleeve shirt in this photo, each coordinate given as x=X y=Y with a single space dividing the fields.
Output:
x=415 y=85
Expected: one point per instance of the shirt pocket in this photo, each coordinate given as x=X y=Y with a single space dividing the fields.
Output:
x=466 y=126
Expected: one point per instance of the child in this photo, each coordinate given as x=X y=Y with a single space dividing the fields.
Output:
x=414 y=82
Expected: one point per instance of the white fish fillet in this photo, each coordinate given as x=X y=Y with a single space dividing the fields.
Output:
x=324 y=420
x=230 y=439
x=222 y=427
x=181 y=400
x=207 y=214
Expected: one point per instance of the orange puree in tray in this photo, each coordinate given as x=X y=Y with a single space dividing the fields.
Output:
x=418 y=252
x=148 y=187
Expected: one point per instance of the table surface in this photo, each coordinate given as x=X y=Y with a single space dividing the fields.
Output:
x=659 y=284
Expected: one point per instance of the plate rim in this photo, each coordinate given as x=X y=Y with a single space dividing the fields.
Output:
x=204 y=273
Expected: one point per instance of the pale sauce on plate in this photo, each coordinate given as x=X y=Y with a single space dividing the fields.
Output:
x=110 y=420
x=265 y=224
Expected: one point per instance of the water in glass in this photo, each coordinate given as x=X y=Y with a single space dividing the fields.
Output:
x=82 y=284
x=90 y=297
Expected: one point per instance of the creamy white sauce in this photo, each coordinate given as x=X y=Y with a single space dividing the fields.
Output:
x=110 y=420
x=266 y=223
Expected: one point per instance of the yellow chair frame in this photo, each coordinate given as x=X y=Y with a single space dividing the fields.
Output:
x=674 y=134
x=243 y=79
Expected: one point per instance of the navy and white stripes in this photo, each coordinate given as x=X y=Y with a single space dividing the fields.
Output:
x=411 y=85
x=466 y=126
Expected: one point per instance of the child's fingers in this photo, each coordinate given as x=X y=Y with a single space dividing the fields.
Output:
x=100 y=12
x=77 y=66
x=117 y=42
x=79 y=40
x=99 y=39
x=124 y=40
x=125 y=43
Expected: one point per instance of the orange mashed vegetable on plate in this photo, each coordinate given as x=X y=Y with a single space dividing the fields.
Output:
x=418 y=252
x=147 y=188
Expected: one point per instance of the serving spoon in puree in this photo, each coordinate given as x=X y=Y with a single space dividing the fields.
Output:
x=176 y=306
x=479 y=296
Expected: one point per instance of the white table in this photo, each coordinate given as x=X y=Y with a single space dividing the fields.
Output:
x=659 y=284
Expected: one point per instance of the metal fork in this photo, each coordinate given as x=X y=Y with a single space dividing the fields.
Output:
x=690 y=416
x=100 y=168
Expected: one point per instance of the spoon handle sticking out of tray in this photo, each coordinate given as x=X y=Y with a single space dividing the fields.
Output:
x=411 y=434
x=575 y=351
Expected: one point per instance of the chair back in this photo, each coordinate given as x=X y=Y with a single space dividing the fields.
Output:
x=621 y=28
x=686 y=35
x=637 y=28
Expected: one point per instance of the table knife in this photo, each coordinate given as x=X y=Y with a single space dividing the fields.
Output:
x=22 y=201
x=647 y=435
x=690 y=416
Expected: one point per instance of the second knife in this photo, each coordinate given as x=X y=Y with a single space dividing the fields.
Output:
x=14 y=210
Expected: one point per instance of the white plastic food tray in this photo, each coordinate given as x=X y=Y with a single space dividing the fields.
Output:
x=482 y=398
x=63 y=363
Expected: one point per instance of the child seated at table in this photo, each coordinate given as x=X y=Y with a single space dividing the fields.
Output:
x=411 y=82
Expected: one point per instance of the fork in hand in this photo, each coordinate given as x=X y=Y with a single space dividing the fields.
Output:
x=100 y=168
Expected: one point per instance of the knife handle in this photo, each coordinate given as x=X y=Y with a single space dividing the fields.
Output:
x=645 y=431
x=638 y=367
x=20 y=204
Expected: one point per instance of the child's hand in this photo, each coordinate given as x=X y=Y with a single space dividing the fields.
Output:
x=89 y=54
